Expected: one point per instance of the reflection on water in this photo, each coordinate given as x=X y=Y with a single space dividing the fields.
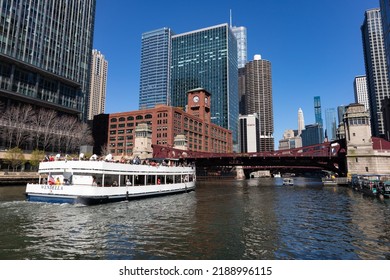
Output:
x=251 y=219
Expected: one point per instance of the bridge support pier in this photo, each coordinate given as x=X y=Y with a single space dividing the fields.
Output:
x=240 y=175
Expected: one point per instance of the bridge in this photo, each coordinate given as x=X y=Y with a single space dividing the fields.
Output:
x=329 y=156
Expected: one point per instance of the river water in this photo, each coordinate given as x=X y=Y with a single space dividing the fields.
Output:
x=251 y=219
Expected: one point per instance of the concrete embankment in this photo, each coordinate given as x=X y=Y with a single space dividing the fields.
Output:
x=17 y=178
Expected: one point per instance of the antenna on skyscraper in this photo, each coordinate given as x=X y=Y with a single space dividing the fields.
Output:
x=230 y=18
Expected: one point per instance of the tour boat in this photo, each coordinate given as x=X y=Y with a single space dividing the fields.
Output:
x=96 y=182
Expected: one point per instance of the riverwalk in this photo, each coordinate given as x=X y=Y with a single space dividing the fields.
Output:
x=17 y=178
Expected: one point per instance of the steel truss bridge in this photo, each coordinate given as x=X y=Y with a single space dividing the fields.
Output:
x=328 y=156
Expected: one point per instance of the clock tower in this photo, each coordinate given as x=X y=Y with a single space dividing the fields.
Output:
x=199 y=104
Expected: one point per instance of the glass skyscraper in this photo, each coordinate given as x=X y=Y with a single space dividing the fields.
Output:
x=376 y=68
x=45 y=52
x=240 y=33
x=317 y=110
x=207 y=58
x=155 y=68
x=331 y=123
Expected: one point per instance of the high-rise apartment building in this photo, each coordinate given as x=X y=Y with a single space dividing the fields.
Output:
x=258 y=95
x=45 y=52
x=207 y=58
x=155 y=68
x=376 y=67
x=242 y=52
x=331 y=123
x=301 y=122
x=98 y=85
x=360 y=90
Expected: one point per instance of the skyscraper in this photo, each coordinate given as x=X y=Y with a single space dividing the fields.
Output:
x=258 y=88
x=376 y=67
x=317 y=110
x=248 y=133
x=155 y=68
x=360 y=90
x=340 y=113
x=207 y=58
x=385 y=16
x=301 y=122
x=45 y=54
x=331 y=126
x=98 y=85
x=240 y=34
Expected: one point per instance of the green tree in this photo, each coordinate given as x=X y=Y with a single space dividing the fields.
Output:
x=36 y=157
x=15 y=158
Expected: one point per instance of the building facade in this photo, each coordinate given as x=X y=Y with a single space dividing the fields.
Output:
x=242 y=45
x=365 y=154
x=207 y=58
x=312 y=135
x=360 y=91
x=318 y=110
x=258 y=97
x=98 y=85
x=331 y=123
x=376 y=67
x=248 y=133
x=155 y=68
x=166 y=123
x=385 y=16
x=291 y=140
x=45 y=54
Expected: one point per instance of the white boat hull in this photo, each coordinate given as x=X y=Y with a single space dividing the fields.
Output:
x=96 y=195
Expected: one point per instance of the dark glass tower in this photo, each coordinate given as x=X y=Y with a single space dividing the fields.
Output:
x=317 y=110
x=155 y=62
x=45 y=53
x=207 y=58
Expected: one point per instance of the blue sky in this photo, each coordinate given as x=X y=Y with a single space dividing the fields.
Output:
x=314 y=46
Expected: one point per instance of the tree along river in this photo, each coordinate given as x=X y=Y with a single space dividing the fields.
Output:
x=250 y=219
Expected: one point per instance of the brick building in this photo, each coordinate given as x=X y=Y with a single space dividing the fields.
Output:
x=166 y=122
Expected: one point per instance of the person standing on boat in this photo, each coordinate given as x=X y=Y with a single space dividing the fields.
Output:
x=128 y=183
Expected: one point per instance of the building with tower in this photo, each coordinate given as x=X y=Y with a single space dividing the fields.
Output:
x=207 y=58
x=168 y=125
x=155 y=68
x=45 y=56
x=376 y=67
x=98 y=85
x=365 y=154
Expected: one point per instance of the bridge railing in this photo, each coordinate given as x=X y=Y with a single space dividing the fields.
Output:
x=326 y=149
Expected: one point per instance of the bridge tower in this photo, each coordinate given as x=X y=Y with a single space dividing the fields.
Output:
x=362 y=158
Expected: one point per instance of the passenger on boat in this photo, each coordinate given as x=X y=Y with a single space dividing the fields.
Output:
x=128 y=183
x=58 y=182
